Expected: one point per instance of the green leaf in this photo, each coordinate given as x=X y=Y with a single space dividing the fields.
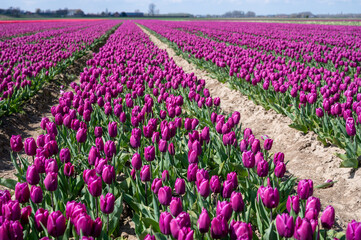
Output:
x=270 y=232
x=326 y=185
x=349 y=163
x=9 y=183
x=299 y=127
x=148 y=222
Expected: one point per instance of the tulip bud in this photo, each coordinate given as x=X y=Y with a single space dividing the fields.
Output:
x=25 y=214
x=180 y=186
x=278 y=157
x=165 y=195
x=237 y=202
x=248 y=159
x=270 y=197
x=241 y=230
x=305 y=188
x=280 y=169
x=165 y=176
x=164 y=222
x=328 y=217
x=293 y=201
x=97 y=227
x=219 y=227
x=285 y=225
x=107 y=203
x=191 y=172
x=95 y=186
x=353 y=231
x=149 y=153
x=64 y=155
x=56 y=224
x=112 y=129
x=93 y=155
x=262 y=168
x=81 y=135
x=108 y=174
x=163 y=145
x=204 y=221
x=109 y=149
x=16 y=143
x=175 y=206
x=156 y=185
x=32 y=175
x=224 y=208
x=350 y=126
x=22 y=192
x=203 y=188
x=51 y=181
x=36 y=194
x=98 y=132
x=69 y=169
x=11 y=210
x=145 y=173
x=30 y=146
x=227 y=189
x=303 y=229
x=149 y=237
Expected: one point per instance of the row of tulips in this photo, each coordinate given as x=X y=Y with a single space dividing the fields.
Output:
x=320 y=95
x=27 y=62
x=139 y=130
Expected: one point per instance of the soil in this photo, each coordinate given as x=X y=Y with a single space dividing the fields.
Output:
x=308 y=158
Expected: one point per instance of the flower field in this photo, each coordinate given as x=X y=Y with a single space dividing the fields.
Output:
x=136 y=129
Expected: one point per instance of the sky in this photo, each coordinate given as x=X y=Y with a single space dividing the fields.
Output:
x=260 y=7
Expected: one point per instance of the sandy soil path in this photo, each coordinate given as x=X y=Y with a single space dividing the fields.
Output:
x=307 y=157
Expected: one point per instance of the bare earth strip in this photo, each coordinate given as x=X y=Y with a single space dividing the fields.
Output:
x=307 y=157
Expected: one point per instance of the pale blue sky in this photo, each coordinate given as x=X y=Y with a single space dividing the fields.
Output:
x=194 y=6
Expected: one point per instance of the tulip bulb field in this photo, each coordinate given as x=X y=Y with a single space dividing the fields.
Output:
x=136 y=131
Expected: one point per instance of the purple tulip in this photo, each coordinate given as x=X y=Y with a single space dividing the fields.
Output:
x=204 y=221
x=108 y=174
x=164 y=222
x=240 y=230
x=165 y=195
x=93 y=155
x=232 y=176
x=192 y=172
x=328 y=217
x=11 y=230
x=353 y=231
x=98 y=132
x=285 y=225
x=69 y=169
x=149 y=153
x=268 y=144
x=280 y=169
x=30 y=146
x=16 y=143
x=51 y=181
x=36 y=194
x=175 y=206
x=262 y=168
x=180 y=186
x=112 y=129
x=303 y=229
x=227 y=189
x=237 y=202
x=313 y=202
x=145 y=173
x=22 y=192
x=278 y=157
x=219 y=227
x=81 y=135
x=109 y=149
x=270 y=197
x=32 y=175
x=25 y=214
x=56 y=224
x=350 y=126
x=64 y=155
x=248 y=159
x=11 y=210
x=185 y=233
x=203 y=188
x=95 y=186
x=107 y=203
x=156 y=185
x=163 y=145
x=225 y=209
x=165 y=176
x=149 y=237
x=305 y=188
x=293 y=201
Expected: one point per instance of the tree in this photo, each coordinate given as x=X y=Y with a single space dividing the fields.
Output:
x=151 y=10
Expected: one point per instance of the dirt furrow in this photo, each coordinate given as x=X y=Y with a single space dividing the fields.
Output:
x=307 y=157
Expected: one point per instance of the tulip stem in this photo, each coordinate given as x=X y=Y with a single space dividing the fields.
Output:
x=108 y=224
x=271 y=216
x=96 y=206
x=325 y=235
x=145 y=191
x=52 y=199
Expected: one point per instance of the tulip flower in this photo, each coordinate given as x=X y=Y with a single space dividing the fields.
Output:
x=164 y=222
x=303 y=229
x=32 y=175
x=237 y=202
x=185 y=234
x=11 y=230
x=95 y=186
x=136 y=161
x=350 y=127
x=232 y=176
x=107 y=203
x=51 y=181
x=328 y=217
x=204 y=221
x=56 y=224
x=11 y=210
x=108 y=174
x=69 y=169
x=156 y=185
x=225 y=209
x=165 y=176
x=112 y=129
x=149 y=237
x=268 y=144
x=305 y=188
x=93 y=155
x=285 y=225
x=176 y=206
x=98 y=132
x=165 y=195
x=353 y=231
x=227 y=188
x=240 y=230
x=180 y=186
x=81 y=135
x=280 y=169
x=22 y=192
x=145 y=173
x=149 y=153
x=262 y=168
x=25 y=214
x=109 y=149
x=248 y=159
x=16 y=143
x=36 y=194
x=294 y=203
x=219 y=227
x=270 y=197
x=30 y=146
x=64 y=155
x=192 y=171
